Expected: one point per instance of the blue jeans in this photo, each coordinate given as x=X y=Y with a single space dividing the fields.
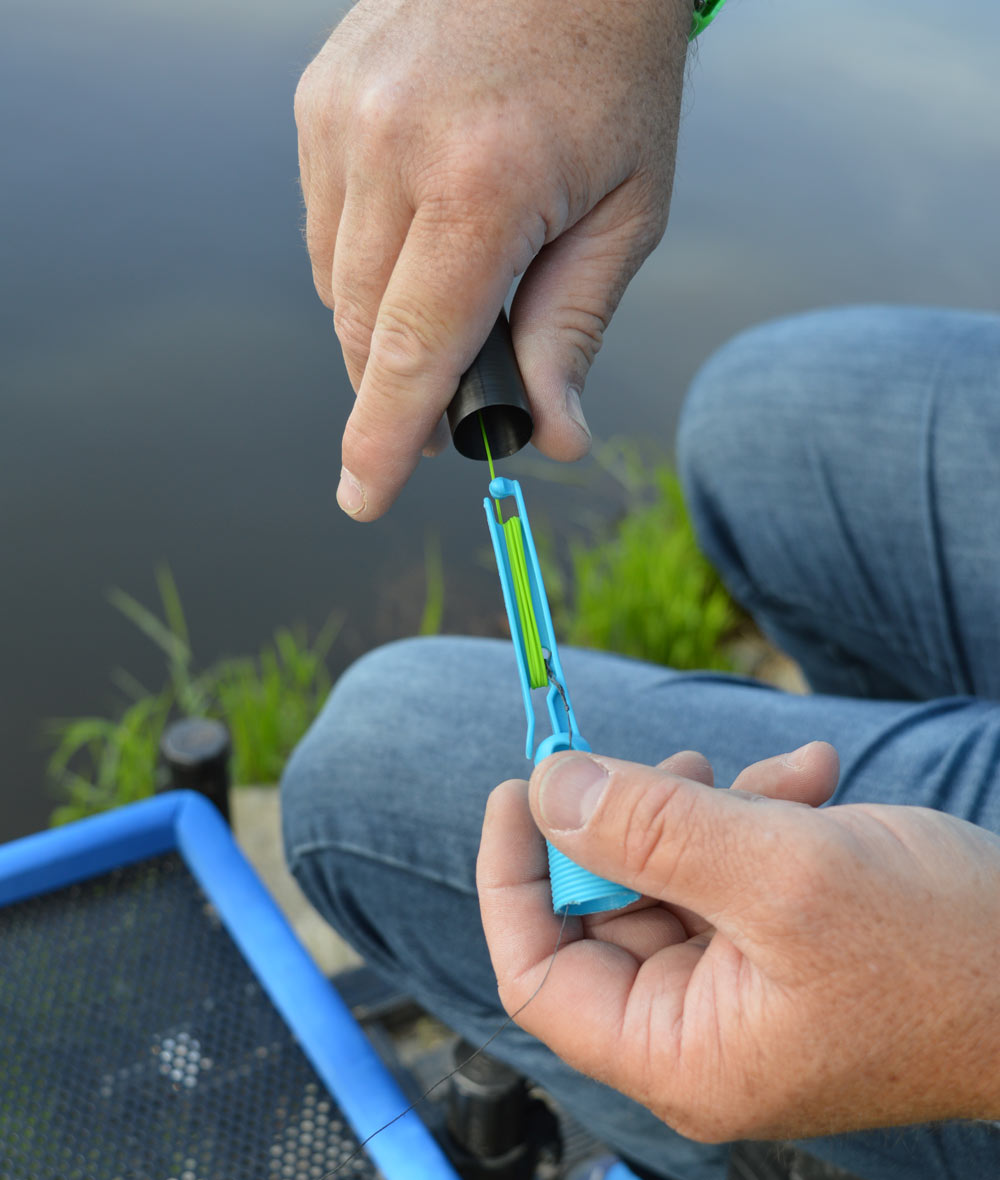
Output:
x=843 y=471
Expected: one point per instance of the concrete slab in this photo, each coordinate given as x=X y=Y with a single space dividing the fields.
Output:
x=256 y=819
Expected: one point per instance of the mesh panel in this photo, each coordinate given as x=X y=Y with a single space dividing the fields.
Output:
x=136 y=1044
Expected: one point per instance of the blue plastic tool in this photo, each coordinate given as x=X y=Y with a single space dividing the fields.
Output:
x=573 y=888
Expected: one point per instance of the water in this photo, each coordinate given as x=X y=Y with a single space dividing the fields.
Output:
x=170 y=389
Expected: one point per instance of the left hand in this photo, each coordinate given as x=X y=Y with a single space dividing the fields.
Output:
x=789 y=971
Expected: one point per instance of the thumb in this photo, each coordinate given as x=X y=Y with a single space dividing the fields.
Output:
x=807 y=775
x=562 y=309
x=665 y=836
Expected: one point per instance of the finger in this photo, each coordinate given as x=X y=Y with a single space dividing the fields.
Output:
x=807 y=775
x=323 y=208
x=303 y=121
x=322 y=133
x=512 y=854
x=438 y=441
x=443 y=297
x=694 y=766
x=665 y=836
x=582 y=1008
x=515 y=899
x=689 y=764
x=371 y=233
x=563 y=307
x=643 y=930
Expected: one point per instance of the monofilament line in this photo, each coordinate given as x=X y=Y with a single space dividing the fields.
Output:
x=472 y=1056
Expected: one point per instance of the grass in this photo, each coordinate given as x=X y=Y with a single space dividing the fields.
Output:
x=640 y=586
x=430 y=622
x=267 y=703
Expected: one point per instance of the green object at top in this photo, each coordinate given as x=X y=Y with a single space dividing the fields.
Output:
x=705 y=11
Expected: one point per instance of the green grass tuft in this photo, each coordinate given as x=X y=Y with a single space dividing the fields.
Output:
x=430 y=623
x=267 y=703
x=101 y=762
x=642 y=588
x=639 y=587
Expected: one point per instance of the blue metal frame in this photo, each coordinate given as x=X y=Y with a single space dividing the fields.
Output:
x=327 y=1032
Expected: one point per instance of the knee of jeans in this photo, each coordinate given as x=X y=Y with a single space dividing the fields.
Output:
x=718 y=445
x=740 y=394
x=744 y=429
x=760 y=392
x=328 y=780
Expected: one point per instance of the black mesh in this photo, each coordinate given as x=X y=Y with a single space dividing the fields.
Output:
x=136 y=1044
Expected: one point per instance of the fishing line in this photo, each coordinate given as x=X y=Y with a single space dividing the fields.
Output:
x=472 y=1056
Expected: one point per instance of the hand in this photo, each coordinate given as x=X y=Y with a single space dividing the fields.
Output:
x=789 y=972
x=444 y=149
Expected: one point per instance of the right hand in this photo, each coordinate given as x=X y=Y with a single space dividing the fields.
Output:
x=789 y=972
x=445 y=148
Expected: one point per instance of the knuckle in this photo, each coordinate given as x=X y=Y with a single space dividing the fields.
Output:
x=303 y=102
x=721 y=1112
x=652 y=813
x=321 y=281
x=584 y=330
x=318 y=237
x=686 y=1123
x=476 y=163
x=713 y=1128
x=380 y=112
x=362 y=445
x=403 y=339
x=511 y=991
x=485 y=175
x=458 y=204
x=645 y=232
x=353 y=327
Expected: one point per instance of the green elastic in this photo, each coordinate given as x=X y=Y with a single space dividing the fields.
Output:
x=489 y=457
x=538 y=674
x=705 y=11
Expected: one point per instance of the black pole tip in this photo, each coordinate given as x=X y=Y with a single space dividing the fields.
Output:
x=507 y=428
x=492 y=388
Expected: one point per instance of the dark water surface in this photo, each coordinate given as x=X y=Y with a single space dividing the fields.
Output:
x=170 y=389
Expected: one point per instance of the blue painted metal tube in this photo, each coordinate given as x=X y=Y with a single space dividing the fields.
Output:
x=324 y=1026
x=327 y=1032
x=61 y=856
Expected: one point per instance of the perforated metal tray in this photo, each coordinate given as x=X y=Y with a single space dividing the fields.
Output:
x=160 y=1021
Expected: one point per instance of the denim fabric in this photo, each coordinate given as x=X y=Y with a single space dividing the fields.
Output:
x=842 y=470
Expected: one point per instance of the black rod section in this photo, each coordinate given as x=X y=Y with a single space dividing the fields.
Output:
x=196 y=752
x=492 y=385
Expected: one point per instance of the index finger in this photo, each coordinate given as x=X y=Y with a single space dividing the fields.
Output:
x=444 y=294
